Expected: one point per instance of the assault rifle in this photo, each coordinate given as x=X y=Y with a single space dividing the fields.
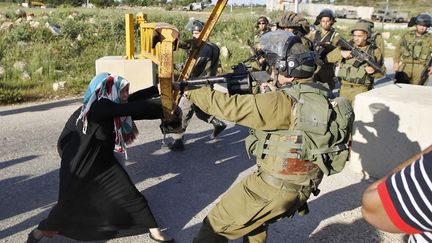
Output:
x=360 y=55
x=258 y=54
x=240 y=81
x=425 y=73
x=323 y=48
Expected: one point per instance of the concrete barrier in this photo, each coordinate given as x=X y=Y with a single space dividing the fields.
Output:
x=141 y=73
x=392 y=123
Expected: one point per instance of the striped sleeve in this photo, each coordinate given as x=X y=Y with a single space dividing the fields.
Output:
x=407 y=197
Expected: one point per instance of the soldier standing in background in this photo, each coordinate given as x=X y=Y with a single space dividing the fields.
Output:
x=356 y=77
x=262 y=27
x=375 y=37
x=325 y=40
x=413 y=51
x=206 y=65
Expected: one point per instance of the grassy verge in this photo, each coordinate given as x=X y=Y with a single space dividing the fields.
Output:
x=32 y=58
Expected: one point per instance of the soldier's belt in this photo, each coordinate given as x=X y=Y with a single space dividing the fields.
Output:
x=354 y=81
x=276 y=182
x=280 y=183
x=421 y=62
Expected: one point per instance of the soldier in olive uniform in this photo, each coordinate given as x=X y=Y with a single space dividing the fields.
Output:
x=284 y=179
x=357 y=77
x=375 y=38
x=262 y=27
x=298 y=25
x=325 y=40
x=413 y=51
x=206 y=65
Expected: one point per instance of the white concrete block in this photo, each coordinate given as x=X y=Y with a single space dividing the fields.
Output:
x=141 y=73
x=392 y=123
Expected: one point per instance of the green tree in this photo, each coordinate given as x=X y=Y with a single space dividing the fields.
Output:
x=75 y=2
x=103 y=3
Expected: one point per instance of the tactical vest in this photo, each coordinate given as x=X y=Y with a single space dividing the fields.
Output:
x=323 y=45
x=415 y=48
x=316 y=141
x=214 y=62
x=207 y=61
x=353 y=71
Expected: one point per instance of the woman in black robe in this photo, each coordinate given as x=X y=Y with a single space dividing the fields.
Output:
x=97 y=200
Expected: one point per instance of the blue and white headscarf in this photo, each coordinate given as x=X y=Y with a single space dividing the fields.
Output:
x=105 y=85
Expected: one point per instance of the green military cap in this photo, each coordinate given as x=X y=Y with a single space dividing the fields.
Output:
x=368 y=21
x=361 y=26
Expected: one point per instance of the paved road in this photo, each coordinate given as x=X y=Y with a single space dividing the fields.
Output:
x=181 y=187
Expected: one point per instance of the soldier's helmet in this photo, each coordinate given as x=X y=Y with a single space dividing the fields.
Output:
x=288 y=55
x=368 y=21
x=288 y=20
x=292 y=20
x=194 y=25
x=422 y=19
x=325 y=13
x=361 y=26
x=263 y=19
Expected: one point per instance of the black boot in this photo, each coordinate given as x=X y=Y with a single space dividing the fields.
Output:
x=32 y=239
x=176 y=145
x=219 y=126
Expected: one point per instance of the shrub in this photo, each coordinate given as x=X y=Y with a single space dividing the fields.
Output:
x=9 y=96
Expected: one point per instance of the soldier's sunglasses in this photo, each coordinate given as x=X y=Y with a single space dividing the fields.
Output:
x=261 y=23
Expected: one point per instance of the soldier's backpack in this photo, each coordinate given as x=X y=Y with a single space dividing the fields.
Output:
x=322 y=127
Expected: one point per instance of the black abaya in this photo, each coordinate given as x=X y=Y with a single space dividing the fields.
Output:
x=97 y=200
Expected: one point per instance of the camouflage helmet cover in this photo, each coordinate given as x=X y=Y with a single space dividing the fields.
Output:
x=368 y=21
x=262 y=19
x=325 y=13
x=292 y=20
x=361 y=26
x=288 y=20
x=422 y=19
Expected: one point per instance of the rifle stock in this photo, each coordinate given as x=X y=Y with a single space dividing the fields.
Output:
x=360 y=55
x=425 y=73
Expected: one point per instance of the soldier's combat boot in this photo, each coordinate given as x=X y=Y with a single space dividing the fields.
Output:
x=219 y=126
x=176 y=145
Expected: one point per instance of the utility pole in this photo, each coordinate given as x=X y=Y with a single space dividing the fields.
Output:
x=250 y=4
x=385 y=14
x=296 y=6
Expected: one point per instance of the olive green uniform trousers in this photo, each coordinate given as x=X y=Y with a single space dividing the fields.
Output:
x=326 y=74
x=350 y=90
x=411 y=72
x=247 y=208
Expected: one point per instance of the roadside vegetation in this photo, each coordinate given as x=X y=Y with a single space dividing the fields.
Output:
x=57 y=45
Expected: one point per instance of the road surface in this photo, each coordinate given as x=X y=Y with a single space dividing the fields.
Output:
x=180 y=186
